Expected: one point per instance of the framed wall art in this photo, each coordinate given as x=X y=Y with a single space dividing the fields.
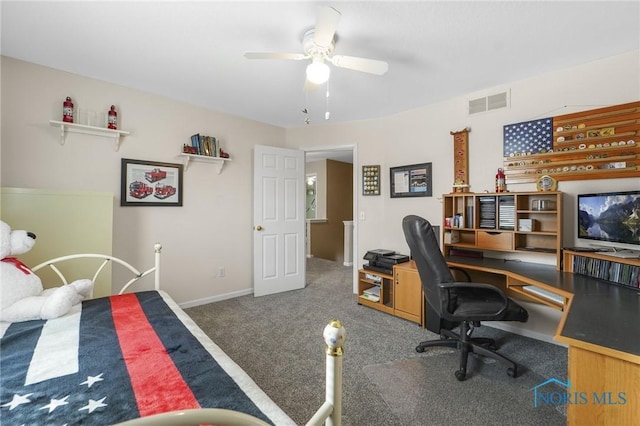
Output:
x=150 y=183
x=370 y=180
x=411 y=181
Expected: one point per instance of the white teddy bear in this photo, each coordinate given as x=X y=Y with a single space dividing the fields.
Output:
x=22 y=297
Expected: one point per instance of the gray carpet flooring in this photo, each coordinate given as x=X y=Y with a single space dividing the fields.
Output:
x=277 y=340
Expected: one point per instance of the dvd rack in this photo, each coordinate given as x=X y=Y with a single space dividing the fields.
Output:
x=507 y=212
x=487 y=212
x=617 y=272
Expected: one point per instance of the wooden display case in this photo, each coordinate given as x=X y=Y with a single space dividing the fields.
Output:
x=602 y=143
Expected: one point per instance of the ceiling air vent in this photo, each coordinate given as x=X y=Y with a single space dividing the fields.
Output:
x=489 y=103
x=477 y=105
x=497 y=101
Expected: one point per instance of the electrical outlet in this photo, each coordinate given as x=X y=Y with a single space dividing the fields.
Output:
x=221 y=272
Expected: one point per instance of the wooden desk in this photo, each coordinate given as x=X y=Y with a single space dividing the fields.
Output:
x=601 y=326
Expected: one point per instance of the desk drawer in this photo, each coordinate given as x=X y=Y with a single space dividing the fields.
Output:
x=495 y=240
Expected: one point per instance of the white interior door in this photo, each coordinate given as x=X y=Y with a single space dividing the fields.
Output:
x=279 y=220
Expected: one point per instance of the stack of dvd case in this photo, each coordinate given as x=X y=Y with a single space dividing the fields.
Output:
x=487 y=212
x=506 y=212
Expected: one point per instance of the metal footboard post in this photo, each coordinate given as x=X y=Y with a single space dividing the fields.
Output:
x=157 y=248
x=331 y=410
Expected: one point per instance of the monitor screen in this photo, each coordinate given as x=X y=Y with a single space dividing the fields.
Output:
x=611 y=217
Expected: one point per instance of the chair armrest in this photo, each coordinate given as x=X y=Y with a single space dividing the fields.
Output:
x=490 y=288
x=451 y=292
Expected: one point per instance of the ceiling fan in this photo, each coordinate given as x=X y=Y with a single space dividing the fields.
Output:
x=318 y=44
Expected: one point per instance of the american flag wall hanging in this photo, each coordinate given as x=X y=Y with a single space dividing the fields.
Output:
x=528 y=137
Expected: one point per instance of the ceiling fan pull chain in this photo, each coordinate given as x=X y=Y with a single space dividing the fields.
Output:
x=305 y=110
x=327 y=114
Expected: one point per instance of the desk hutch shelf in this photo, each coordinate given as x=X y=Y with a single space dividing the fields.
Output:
x=523 y=222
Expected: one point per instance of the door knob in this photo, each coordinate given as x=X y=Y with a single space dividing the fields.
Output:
x=259 y=228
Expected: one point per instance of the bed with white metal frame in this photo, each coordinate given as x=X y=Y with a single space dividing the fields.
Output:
x=329 y=413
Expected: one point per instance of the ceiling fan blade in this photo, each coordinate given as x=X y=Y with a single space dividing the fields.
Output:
x=326 y=23
x=275 y=55
x=360 y=64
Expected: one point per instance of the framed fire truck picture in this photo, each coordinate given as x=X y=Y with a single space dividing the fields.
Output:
x=149 y=183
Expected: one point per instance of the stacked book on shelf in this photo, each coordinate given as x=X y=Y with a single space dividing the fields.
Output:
x=619 y=273
x=372 y=293
x=204 y=145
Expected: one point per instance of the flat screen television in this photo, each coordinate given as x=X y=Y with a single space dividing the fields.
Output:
x=611 y=217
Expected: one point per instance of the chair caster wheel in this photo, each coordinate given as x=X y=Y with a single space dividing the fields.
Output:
x=461 y=375
x=512 y=372
x=419 y=349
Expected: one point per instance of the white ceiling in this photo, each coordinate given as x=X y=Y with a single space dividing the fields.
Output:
x=193 y=51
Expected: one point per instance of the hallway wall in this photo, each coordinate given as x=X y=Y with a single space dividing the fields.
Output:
x=327 y=237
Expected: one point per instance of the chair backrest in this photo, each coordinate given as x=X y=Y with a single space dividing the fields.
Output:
x=431 y=264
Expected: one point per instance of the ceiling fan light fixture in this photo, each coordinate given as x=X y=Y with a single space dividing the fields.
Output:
x=317 y=71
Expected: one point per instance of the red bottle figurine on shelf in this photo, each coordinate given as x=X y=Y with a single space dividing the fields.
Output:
x=67 y=110
x=501 y=184
x=113 y=118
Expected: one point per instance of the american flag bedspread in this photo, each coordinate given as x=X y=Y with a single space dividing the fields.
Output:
x=118 y=358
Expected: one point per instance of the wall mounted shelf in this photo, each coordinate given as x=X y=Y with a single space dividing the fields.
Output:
x=88 y=130
x=218 y=161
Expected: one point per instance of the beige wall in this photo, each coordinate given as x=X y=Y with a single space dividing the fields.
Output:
x=422 y=135
x=212 y=230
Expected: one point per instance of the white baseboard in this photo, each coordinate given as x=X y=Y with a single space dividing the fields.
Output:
x=217 y=298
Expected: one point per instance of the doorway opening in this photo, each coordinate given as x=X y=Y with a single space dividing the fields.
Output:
x=334 y=229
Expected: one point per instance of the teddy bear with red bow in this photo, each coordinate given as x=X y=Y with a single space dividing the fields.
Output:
x=22 y=297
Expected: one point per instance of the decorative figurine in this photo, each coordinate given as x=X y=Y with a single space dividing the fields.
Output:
x=113 y=118
x=67 y=110
x=501 y=185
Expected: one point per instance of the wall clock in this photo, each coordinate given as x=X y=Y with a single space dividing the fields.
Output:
x=546 y=183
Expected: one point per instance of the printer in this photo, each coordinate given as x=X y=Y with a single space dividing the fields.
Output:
x=382 y=260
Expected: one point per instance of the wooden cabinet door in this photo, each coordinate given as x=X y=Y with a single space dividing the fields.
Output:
x=408 y=293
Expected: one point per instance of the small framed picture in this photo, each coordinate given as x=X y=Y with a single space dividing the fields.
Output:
x=370 y=180
x=411 y=181
x=150 y=183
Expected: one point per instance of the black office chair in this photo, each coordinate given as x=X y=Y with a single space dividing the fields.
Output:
x=458 y=303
